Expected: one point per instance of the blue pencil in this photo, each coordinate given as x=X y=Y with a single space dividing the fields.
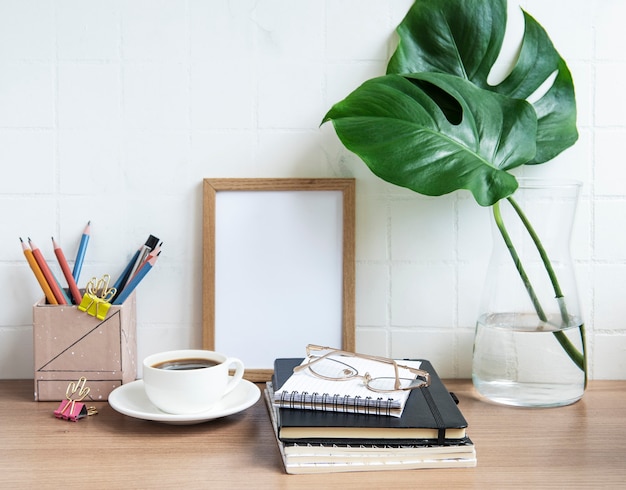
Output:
x=80 y=255
x=132 y=284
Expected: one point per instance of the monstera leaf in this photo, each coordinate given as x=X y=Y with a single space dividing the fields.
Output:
x=435 y=133
x=462 y=39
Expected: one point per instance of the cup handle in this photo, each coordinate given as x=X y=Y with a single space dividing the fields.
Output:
x=239 y=369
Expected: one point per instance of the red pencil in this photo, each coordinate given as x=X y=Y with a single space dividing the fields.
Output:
x=67 y=272
x=52 y=282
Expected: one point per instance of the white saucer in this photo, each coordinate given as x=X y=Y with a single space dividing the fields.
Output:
x=131 y=399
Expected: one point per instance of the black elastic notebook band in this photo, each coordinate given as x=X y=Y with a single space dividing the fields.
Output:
x=441 y=426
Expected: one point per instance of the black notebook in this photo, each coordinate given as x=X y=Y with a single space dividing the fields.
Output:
x=430 y=413
x=332 y=457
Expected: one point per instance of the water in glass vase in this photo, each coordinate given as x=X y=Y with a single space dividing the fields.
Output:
x=521 y=362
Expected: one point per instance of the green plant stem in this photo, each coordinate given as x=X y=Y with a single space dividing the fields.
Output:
x=518 y=263
x=544 y=258
x=578 y=358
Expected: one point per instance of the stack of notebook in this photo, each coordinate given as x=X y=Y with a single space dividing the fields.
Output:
x=321 y=433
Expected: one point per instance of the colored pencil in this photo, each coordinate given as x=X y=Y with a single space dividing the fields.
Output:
x=28 y=253
x=125 y=275
x=145 y=249
x=156 y=251
x=71 y=283
x=47 y=273
x=132 y=284
x=80 y=255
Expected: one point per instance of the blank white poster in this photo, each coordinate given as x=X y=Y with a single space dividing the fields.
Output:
x=278 y=273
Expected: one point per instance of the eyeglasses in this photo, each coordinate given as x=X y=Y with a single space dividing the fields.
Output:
x=330 y=364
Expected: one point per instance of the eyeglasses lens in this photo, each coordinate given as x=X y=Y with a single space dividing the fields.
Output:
x=388 y=384
x=332 y=368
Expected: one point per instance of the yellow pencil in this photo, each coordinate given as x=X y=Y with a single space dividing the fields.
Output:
x=28 y=253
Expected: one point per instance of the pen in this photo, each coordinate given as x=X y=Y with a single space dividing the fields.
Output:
x=136 y=279
x=145 y=249
x=28 y=253
x=80 y=255
x=47 y=273
x=71 y=283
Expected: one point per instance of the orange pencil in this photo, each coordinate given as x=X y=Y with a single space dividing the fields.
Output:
x=47 y=273
x=28 y=253
x=67 y=272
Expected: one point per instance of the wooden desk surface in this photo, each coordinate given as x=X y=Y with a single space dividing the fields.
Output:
x=580 y=446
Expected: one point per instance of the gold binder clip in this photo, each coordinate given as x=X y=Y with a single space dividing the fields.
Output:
x=71 y=408
x=97 y=299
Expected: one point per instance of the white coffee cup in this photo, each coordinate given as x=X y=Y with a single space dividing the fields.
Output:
x=189 y=381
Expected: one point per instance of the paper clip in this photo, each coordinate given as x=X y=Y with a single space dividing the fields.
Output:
x=72 y=407
x=97 y=299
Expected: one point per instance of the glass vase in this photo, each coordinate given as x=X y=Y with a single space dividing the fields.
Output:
x=529 y=343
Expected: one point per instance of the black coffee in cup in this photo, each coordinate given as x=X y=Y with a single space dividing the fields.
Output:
x=185 y=364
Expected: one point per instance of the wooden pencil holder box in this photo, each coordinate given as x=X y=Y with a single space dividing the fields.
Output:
x=69 y=343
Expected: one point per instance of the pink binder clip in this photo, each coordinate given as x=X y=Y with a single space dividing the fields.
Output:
x=72 y=408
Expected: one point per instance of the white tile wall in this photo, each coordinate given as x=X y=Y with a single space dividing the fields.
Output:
x=114 y=112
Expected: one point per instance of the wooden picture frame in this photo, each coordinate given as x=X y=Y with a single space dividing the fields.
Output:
x=278 y=268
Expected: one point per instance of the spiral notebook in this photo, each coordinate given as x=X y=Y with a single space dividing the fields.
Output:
x=304 y=390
